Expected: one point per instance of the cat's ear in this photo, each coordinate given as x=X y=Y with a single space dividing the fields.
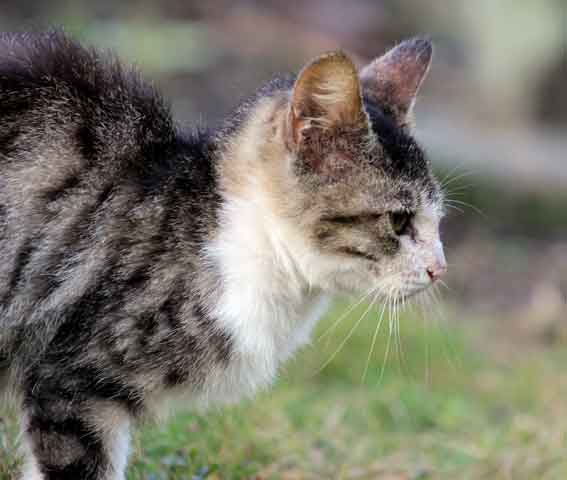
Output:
x=326 y=94
x=393 y=80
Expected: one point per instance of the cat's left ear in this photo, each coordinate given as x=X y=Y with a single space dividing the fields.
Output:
x=393 y=80
x=326 y=95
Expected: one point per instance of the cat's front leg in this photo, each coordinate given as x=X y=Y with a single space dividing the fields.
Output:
x=71 y=440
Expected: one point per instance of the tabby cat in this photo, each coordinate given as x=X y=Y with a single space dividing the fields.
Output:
x=139 y=262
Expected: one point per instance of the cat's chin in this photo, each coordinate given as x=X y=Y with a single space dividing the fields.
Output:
x=415 y=291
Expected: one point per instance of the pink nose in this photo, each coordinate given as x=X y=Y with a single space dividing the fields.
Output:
x=436 y=271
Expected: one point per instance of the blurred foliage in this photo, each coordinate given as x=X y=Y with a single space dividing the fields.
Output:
x=504 y=209
x=150 y=45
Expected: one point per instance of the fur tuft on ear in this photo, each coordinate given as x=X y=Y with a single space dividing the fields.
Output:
x=326 y=94
x=393 y=80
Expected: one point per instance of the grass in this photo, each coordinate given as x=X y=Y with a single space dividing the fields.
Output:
x=447 y=408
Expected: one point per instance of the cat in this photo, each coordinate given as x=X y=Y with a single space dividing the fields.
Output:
x=139 y=262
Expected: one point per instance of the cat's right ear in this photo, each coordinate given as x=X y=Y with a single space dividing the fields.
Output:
x=326 y=95
x=393 y=80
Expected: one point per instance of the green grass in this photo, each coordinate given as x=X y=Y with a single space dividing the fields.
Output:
x=445 y=409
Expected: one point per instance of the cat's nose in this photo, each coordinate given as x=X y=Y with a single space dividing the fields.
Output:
x=437 y=270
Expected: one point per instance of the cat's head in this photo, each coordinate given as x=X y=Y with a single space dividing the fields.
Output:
x=355 y=187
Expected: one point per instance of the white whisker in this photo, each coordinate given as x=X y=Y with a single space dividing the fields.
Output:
x=453 y=207
x=375 y=336
x=448 y=182
x=387 y=351
x=458 y=189
x=448 y=177
x=345 y=314
x=439 y=318
x=350 y=333
x=453 y=202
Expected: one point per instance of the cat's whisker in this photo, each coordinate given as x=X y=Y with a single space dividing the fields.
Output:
x=429 y=301
x=398 y=332
x=462 y=175
x=352 y=307
x=329 y=331
x=395 y=326
x=458 y=189
x=453 y=196
x=349 y=335
x=376 y=291
x=439 y=317
x=390 y=330
x=458 y=186
x=395 y=318
x=466 y=204
x=345 y=314
x=453 y=207
x=437 y=295
x=387 y=351
x=387 y=304
x=456 y=201
x=449 y=175
x=373 y=344
x=403 y=308
x=420 y=311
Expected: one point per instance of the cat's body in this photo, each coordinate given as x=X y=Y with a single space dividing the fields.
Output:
x=138 y=262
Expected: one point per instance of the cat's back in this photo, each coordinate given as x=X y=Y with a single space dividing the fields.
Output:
x=60 y=99
x=92 y=170
x=73 y=121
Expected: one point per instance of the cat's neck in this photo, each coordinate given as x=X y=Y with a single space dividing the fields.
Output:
x=265 y=304
x=267 y=301
x=252 y=230
x=261 y=274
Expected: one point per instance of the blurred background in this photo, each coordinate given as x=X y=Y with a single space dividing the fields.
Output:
x=478 y=390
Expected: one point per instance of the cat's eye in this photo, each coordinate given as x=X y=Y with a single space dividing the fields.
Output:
x=352 y=219
x=401 y=222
